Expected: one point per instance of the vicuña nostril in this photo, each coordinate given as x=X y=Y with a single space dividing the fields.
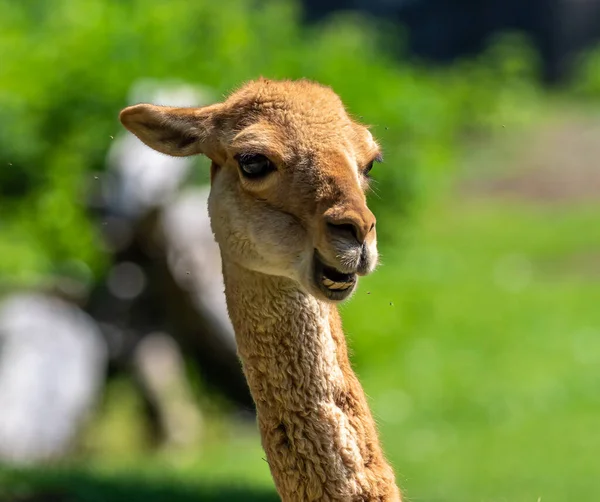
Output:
x=344 y=228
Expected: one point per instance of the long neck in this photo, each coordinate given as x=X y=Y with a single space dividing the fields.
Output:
x=316 y=428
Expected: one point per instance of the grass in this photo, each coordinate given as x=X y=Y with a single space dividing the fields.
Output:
x=60 y=486
x=487 y=348
x=478 y=343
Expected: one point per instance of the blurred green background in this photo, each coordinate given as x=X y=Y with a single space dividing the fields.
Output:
x=478 y=339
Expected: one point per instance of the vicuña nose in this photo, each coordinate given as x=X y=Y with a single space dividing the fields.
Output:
x=357 y=225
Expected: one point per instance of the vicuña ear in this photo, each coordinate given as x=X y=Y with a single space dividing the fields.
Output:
x=174 y=131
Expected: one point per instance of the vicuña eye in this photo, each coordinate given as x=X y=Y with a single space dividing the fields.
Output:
x=254 y=165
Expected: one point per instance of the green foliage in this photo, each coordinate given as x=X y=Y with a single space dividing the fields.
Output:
x=586 y=82
x=67 y=67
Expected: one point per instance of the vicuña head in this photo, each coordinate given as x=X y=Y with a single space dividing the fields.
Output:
x=288 y=210
x=289 y=173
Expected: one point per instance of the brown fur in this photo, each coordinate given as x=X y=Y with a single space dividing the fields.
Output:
x=320 y=439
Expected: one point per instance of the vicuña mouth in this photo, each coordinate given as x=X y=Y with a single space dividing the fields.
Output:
x=334 y=284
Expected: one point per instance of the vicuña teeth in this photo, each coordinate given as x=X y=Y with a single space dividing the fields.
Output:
x=335 y=285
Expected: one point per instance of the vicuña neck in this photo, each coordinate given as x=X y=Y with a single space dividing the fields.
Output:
x=316 y=427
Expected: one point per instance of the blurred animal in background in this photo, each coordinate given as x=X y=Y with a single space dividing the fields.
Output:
x=166 y=272
x=159 y=307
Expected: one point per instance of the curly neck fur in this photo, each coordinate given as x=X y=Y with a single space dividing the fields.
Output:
x=316 y=427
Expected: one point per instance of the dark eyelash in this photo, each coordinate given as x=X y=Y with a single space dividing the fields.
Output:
x=369 y=166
